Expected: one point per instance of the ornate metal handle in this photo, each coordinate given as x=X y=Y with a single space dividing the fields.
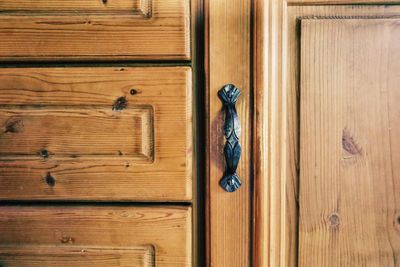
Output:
x=232 y=150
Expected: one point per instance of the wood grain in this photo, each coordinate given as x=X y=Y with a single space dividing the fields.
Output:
x=49 y=231
x=57 y=7
x=343 y=2
x=349 y=178
x=142 y=152
x=282 y=75
x=66 y=256
x=66 y=132
x=228 y=61
x=263 y=242
x=91 y=30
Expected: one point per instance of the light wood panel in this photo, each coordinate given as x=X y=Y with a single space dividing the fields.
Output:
x=228 y=61
x=280 y=56
x=66 y=256
x=260 y=235
x=349 y=139
x=66 y=131
x=138 y=7
x=96 y=134
x=95 y=30
x=343 y=2
x=98 y=236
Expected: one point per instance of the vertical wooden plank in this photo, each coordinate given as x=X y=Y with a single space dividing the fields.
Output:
x=261 y=137
x=228 y=55
x=349 y=142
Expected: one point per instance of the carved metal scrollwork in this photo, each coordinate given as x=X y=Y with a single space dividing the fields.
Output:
x=232 y=150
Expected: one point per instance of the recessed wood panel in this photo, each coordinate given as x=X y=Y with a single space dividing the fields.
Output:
x=95 y=236
x=67 y=256
x=96 y=134
x=349 y=142
x=95 y=30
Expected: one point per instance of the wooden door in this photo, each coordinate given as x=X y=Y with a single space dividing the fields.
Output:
x=330 y=73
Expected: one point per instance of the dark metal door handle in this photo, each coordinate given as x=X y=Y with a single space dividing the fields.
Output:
x=232 y=150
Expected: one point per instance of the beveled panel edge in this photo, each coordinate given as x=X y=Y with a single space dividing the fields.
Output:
x=143 y=11
x=146 y=114
x=146 y=252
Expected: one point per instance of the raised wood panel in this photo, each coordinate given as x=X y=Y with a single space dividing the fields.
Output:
x=58 y=7
x=67 y=256
x=228 y=61
x=64 y=139
x=349 y=142
x=95 y=30
x=78 y=132
x=97 y=236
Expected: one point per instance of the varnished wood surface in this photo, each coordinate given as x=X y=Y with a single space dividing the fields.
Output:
x=63 y=139
x=77 y=132
x=338 y=2
x=228 y=61
x=93 y=30
x=282 y=75
x=95 y=236
x=260 y=233
x=291 y=70
x=67 y=256
x=138 y=7
x=349 y=142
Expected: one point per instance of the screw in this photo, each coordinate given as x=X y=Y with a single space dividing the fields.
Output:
x=44 y=153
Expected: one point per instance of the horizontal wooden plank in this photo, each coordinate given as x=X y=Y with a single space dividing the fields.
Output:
x=76 y=30
x=61 y=136
x=66 y=256
x=64 y=131
x=159 y=236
